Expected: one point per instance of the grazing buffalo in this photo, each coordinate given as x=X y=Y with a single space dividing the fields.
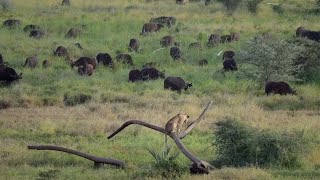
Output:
x=135 y=75
x=61 y=51
x=150 y=28
x=83 y=61
x=9 y=75
x=31 y=62
x=235 y=36
x=46 y=64
x=230 y=37
x=228 y=55
x=85 y=70
x=73 y=33
x=125 y=59
x=281 y=88
x=65 y=3
x=181 y=1
x=164 y=20
x=230 y=65
x=214 y=39
x=31 y=27
x=175 y=53
x=312 y=35
x=195 y=45
x=176 y=84
x=36 y=34
x=203 y=62
x=134 y=45
x=12 y=23
x=105 y=59
x=150 y=73
x=167 y=41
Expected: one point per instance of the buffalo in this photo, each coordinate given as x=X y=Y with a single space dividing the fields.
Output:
x=125 y=58
x=228 y=55
x=61 y=51
x=214 y=39
x=164 y=20
x=150 y=73
x=176 y=84
x=31 y=62
x=175 y=53
x=134 y=45
x=230 y=37
x=135 y=75
x=167 y=41
x=282 y=88
x=46 y=64
x=86 y=69
x=12 y=23
x=150 y=28
x=195 y=45
x=9 y=75
x=36 y=34
x=181 y=1
x=312 y=35
x=230 y=65
x=105 y=59
x=203 y=62
x=73 y=33
x=31 y=27
x=65 y=3
x=83 y=61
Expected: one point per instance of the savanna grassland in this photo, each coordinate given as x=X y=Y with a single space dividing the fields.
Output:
x=33 y=110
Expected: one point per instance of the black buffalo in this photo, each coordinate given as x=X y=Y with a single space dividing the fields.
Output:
x=228 y=55
x=282 y=88
x=230 y=65
x=46 y=63
x=12 y=23
x=31 y=27
x=312 y=35
x=125 y=59
x=214 y=39
x=9 y=75
x=134 y=45
x=105 y=59
x=61 y=51
x=36 y=34
x=85 y=69
x=135 y=75
x=167 y=41
x=164 y=20
x=176 y=84
x=175 y=53
x=65 y=3
x=150 y=73
x=150 y=28
x=85 y=60
x=31 y=62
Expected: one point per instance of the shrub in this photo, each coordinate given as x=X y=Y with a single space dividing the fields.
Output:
x=265 y=58
x=252 y=5
x=241 y=145
x=75 y=99
x=230 y=5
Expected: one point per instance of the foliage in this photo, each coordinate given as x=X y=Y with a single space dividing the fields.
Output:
x=308 y=60
x=266 y=58
x=239 y=145
x=252 y=5
x=230 y=5
x=165 y=164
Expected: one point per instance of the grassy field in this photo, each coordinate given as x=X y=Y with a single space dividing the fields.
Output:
x=35 y=112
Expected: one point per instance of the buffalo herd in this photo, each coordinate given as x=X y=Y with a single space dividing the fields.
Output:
x=87 y=65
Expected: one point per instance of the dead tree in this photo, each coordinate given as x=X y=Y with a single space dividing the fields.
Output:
x=98 y=161
x=198 y=166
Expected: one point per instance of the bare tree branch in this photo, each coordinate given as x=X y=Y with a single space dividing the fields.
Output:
x=194 y=123
x=139 y=122
x=97 y=160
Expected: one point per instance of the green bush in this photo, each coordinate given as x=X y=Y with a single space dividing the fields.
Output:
x=75 y=99
x=241 y=145
x=266 y=58
x=252 y=5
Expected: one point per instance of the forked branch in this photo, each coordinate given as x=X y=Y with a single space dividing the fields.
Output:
x=97 y=160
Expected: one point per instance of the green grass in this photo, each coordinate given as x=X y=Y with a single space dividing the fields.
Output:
x=37 y=114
